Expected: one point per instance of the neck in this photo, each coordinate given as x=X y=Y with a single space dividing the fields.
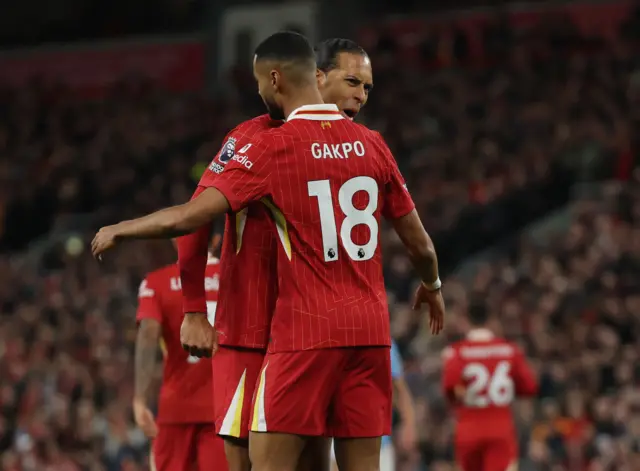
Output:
x=303 y=96
x=479 y=333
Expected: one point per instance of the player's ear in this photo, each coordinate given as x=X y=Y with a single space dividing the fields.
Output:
x=275 y=78
x=321 y=77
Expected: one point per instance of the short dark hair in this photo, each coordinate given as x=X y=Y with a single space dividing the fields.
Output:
x=478 y=312
x=328 y=50
x=285 y=46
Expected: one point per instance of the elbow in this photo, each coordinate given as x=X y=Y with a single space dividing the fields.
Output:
x=422 y=251
x=420 y=246
x=174 y=226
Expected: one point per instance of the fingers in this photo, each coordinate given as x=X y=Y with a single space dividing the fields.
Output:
x=206 y=352
x=436 y=309
x=198 y=352
x=102 y=241
x=152 y=432
x=149 y=428
x=147 y=423
x=417 y=303
x=200 y=342
x=437 y=320
x=97 y=247
x=417 y=299
x=94 y=248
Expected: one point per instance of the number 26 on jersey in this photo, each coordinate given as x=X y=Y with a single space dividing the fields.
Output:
x=321 y=189
x=488 y=388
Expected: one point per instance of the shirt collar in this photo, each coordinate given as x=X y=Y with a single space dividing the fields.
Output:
x=320 y=112
x=480 y=335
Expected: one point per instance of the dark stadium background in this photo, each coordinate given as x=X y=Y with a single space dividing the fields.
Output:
x=516 y=126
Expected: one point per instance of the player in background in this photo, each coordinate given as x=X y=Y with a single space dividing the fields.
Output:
x=482 y=376
x=403 y=402
x=344 y=74
x=330 y=326
x=249 y=277
x=184 y=438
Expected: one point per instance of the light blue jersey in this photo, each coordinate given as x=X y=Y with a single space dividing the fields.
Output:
x=397 y=371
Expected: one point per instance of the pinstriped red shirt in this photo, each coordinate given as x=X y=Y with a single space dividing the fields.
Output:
x=248 y=276
x=185 y=395
x=327 y=183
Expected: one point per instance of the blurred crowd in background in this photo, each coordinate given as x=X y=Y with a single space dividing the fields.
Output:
x=487 y=149
x=571 y=300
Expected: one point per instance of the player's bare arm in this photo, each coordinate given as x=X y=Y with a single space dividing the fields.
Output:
x=425 y=261
x=164 y=224
x=146 y=355
x=404 y=402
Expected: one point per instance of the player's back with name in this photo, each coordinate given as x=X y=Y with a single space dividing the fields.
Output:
x=493 y=373
x=329 y=182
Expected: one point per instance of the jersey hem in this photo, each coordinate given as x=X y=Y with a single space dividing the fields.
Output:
x=285 y=350
x=232 y=346
x=403 y=213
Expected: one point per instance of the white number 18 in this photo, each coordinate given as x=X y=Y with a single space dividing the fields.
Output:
x=321 y=189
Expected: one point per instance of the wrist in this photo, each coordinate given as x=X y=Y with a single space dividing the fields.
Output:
x=138 y=399
x=121 y=231
x=195 y=304
x=434 y=286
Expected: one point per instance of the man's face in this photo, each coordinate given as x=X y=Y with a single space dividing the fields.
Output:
x=349 y=84
x=268 y=83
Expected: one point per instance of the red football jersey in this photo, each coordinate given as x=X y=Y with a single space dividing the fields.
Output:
x=327 y=182
x=185 y=395
x=492 y=372
x=248 y=288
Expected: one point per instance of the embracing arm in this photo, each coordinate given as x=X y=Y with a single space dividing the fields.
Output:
x=236 y=187
x=176 y=220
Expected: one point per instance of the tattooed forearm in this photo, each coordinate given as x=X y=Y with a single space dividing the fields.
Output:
x=146 y=357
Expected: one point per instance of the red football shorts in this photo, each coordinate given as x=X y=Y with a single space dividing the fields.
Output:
x=235 y=373
x=187 y=447
x=487 y=455
x=338 y=392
